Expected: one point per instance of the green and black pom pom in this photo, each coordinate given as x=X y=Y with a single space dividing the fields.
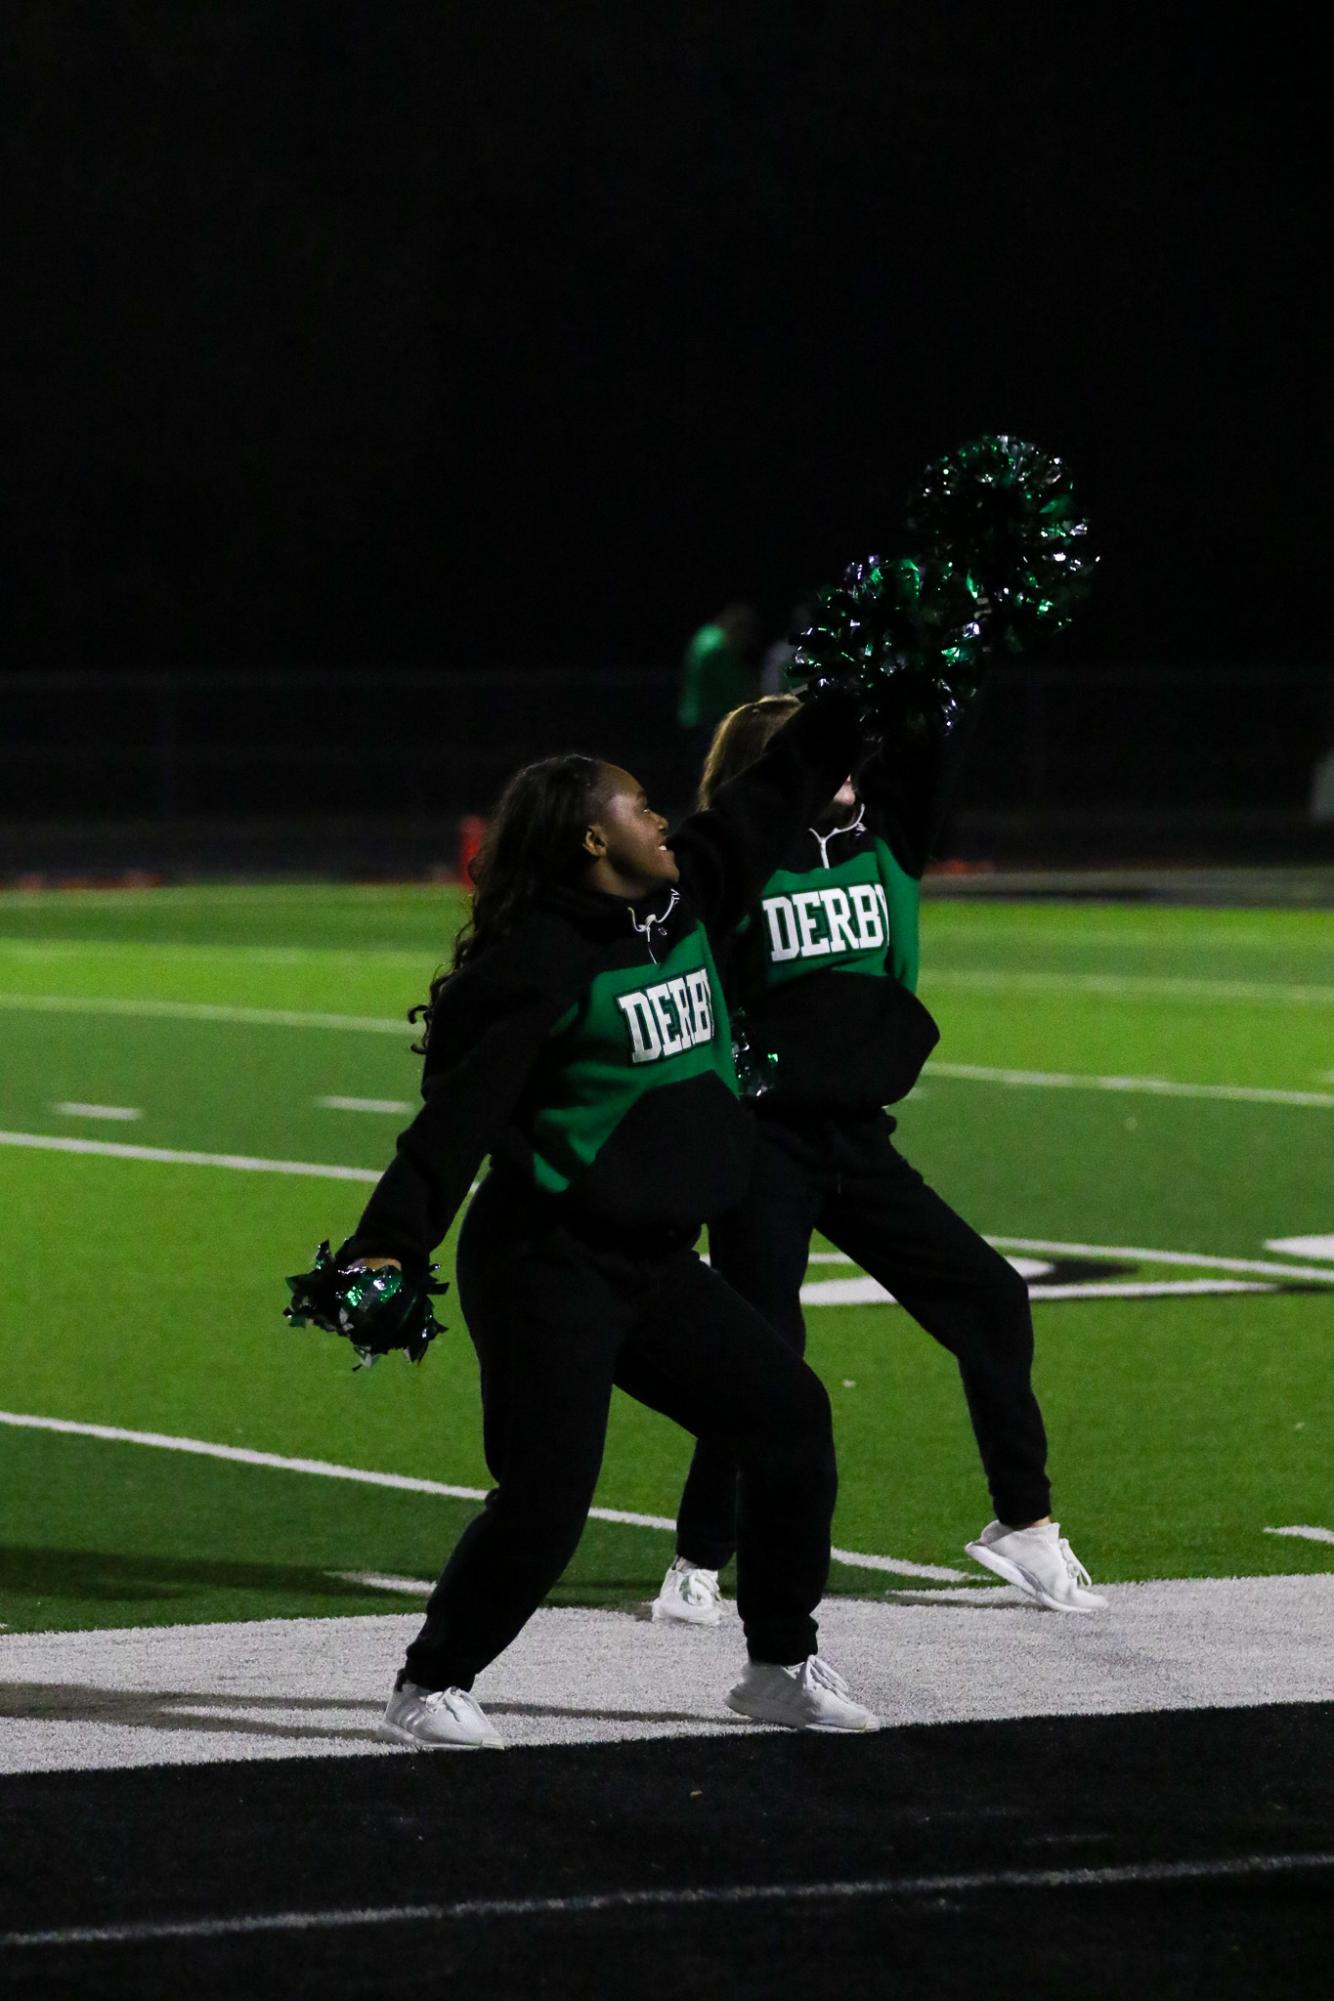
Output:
x=909 y=634
x=1007 y=510
x=999 y=561
x=377 y=1311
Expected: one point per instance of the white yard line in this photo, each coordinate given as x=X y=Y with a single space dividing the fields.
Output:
x=477 y=1910
x=867 y=1291
x=1134 y=986
x=1258 y=1267
x=1160 y=1087
x=166 y=1156
x=1302 y=1247
x=71 y=1110
x=365 y=1105
x=321 y=1170
x=1306 y=1532
x=409 y=1483
x=164 y=1010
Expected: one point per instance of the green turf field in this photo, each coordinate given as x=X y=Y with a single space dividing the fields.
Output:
x=144 y=1294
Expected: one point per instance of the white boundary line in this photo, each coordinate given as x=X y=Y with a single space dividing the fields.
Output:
x=1112 y=1877
x=246 y=1163
x=1305 y=1531
x=164 y=1010
x=1133 y=986
x=167 y=1156
x=1160 y=1087
x=410 y=1483
x=1261 y=1267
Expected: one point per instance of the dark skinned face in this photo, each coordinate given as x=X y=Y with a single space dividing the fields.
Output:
x=627 y=842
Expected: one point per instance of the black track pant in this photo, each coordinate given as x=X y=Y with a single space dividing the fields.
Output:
x=557 y=1321
x=844 y=1178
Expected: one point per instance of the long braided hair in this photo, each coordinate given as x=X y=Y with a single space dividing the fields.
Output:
x=535 y=840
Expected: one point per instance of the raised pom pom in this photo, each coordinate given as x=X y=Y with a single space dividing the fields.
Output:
x=908 y=634
x=1005 y=509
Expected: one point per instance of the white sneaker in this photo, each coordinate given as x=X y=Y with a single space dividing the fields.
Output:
x=809 y=1696
x=689 y=1595
x=1040 y=1563
x=438 y=1719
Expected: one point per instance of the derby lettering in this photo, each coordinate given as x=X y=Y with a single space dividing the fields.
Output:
x=671 y=1017
x=814 y=922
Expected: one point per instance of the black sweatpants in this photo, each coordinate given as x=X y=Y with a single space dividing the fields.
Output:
x=558 y=1319
x=845 y=1178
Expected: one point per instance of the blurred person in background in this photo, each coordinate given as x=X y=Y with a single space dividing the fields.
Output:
x=774 y=665
x=716 y=674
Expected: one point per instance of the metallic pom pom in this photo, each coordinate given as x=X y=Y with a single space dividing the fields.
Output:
x=377 y=1311
x=908 y=634
x=1006 y=510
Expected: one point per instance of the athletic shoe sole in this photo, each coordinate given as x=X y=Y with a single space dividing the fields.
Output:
x=674 y=1615
x=815 y=1729
x=398 y=1735
x=1023 y=1580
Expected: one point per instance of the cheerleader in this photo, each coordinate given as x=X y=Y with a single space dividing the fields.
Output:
x=582 y=1040
x=824 y=968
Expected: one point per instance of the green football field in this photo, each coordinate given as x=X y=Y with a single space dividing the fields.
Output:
x=199 y=1084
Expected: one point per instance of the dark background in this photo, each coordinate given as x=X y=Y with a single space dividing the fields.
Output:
x=397 y=332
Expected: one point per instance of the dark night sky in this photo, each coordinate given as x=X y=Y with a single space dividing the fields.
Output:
x=349 y=331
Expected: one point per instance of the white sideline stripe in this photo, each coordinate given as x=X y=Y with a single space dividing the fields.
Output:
x=1112 y=1877
x=1122 y=986
x=176 y=1157
x=409 y=1483
x=1304 y=1530
x=263 y=1017
x=869 y=1292
x=365 y=1104
x=380 y=1580
x=70 y=1110
x=245 y=1163
x=1259 y=1266
x=1302 y=1247
x=1161 y=1087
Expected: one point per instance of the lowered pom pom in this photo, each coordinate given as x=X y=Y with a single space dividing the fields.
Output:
x=1006 y=510
x=377 y=1311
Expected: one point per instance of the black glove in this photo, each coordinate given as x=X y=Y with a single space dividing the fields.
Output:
x=377 y=1311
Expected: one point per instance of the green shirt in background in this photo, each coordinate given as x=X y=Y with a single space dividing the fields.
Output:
x=714 y=679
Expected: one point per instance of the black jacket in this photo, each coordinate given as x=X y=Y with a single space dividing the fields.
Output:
x=540 y=1049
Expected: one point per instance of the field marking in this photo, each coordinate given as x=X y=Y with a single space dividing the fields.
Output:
x=1114 y=1876
x=1160 y=1087
x=321 y=1170
x=381 y=1580
x=365 y=1105
x=1306 y=1532
x=262 y=1017
x=1127 y=986
x=410 y=1483
x=68 y=1109
x=242 y=1163
x=1302 y=1247
x=868 y=1291
x=1259 y=1267
x=827 y=1292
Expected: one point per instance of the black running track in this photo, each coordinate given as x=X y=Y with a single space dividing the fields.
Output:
x=1137 y=1801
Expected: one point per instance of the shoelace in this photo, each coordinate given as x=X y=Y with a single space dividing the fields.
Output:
x=456 y=1700
x=1072 y=1563
x=818 y=1671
